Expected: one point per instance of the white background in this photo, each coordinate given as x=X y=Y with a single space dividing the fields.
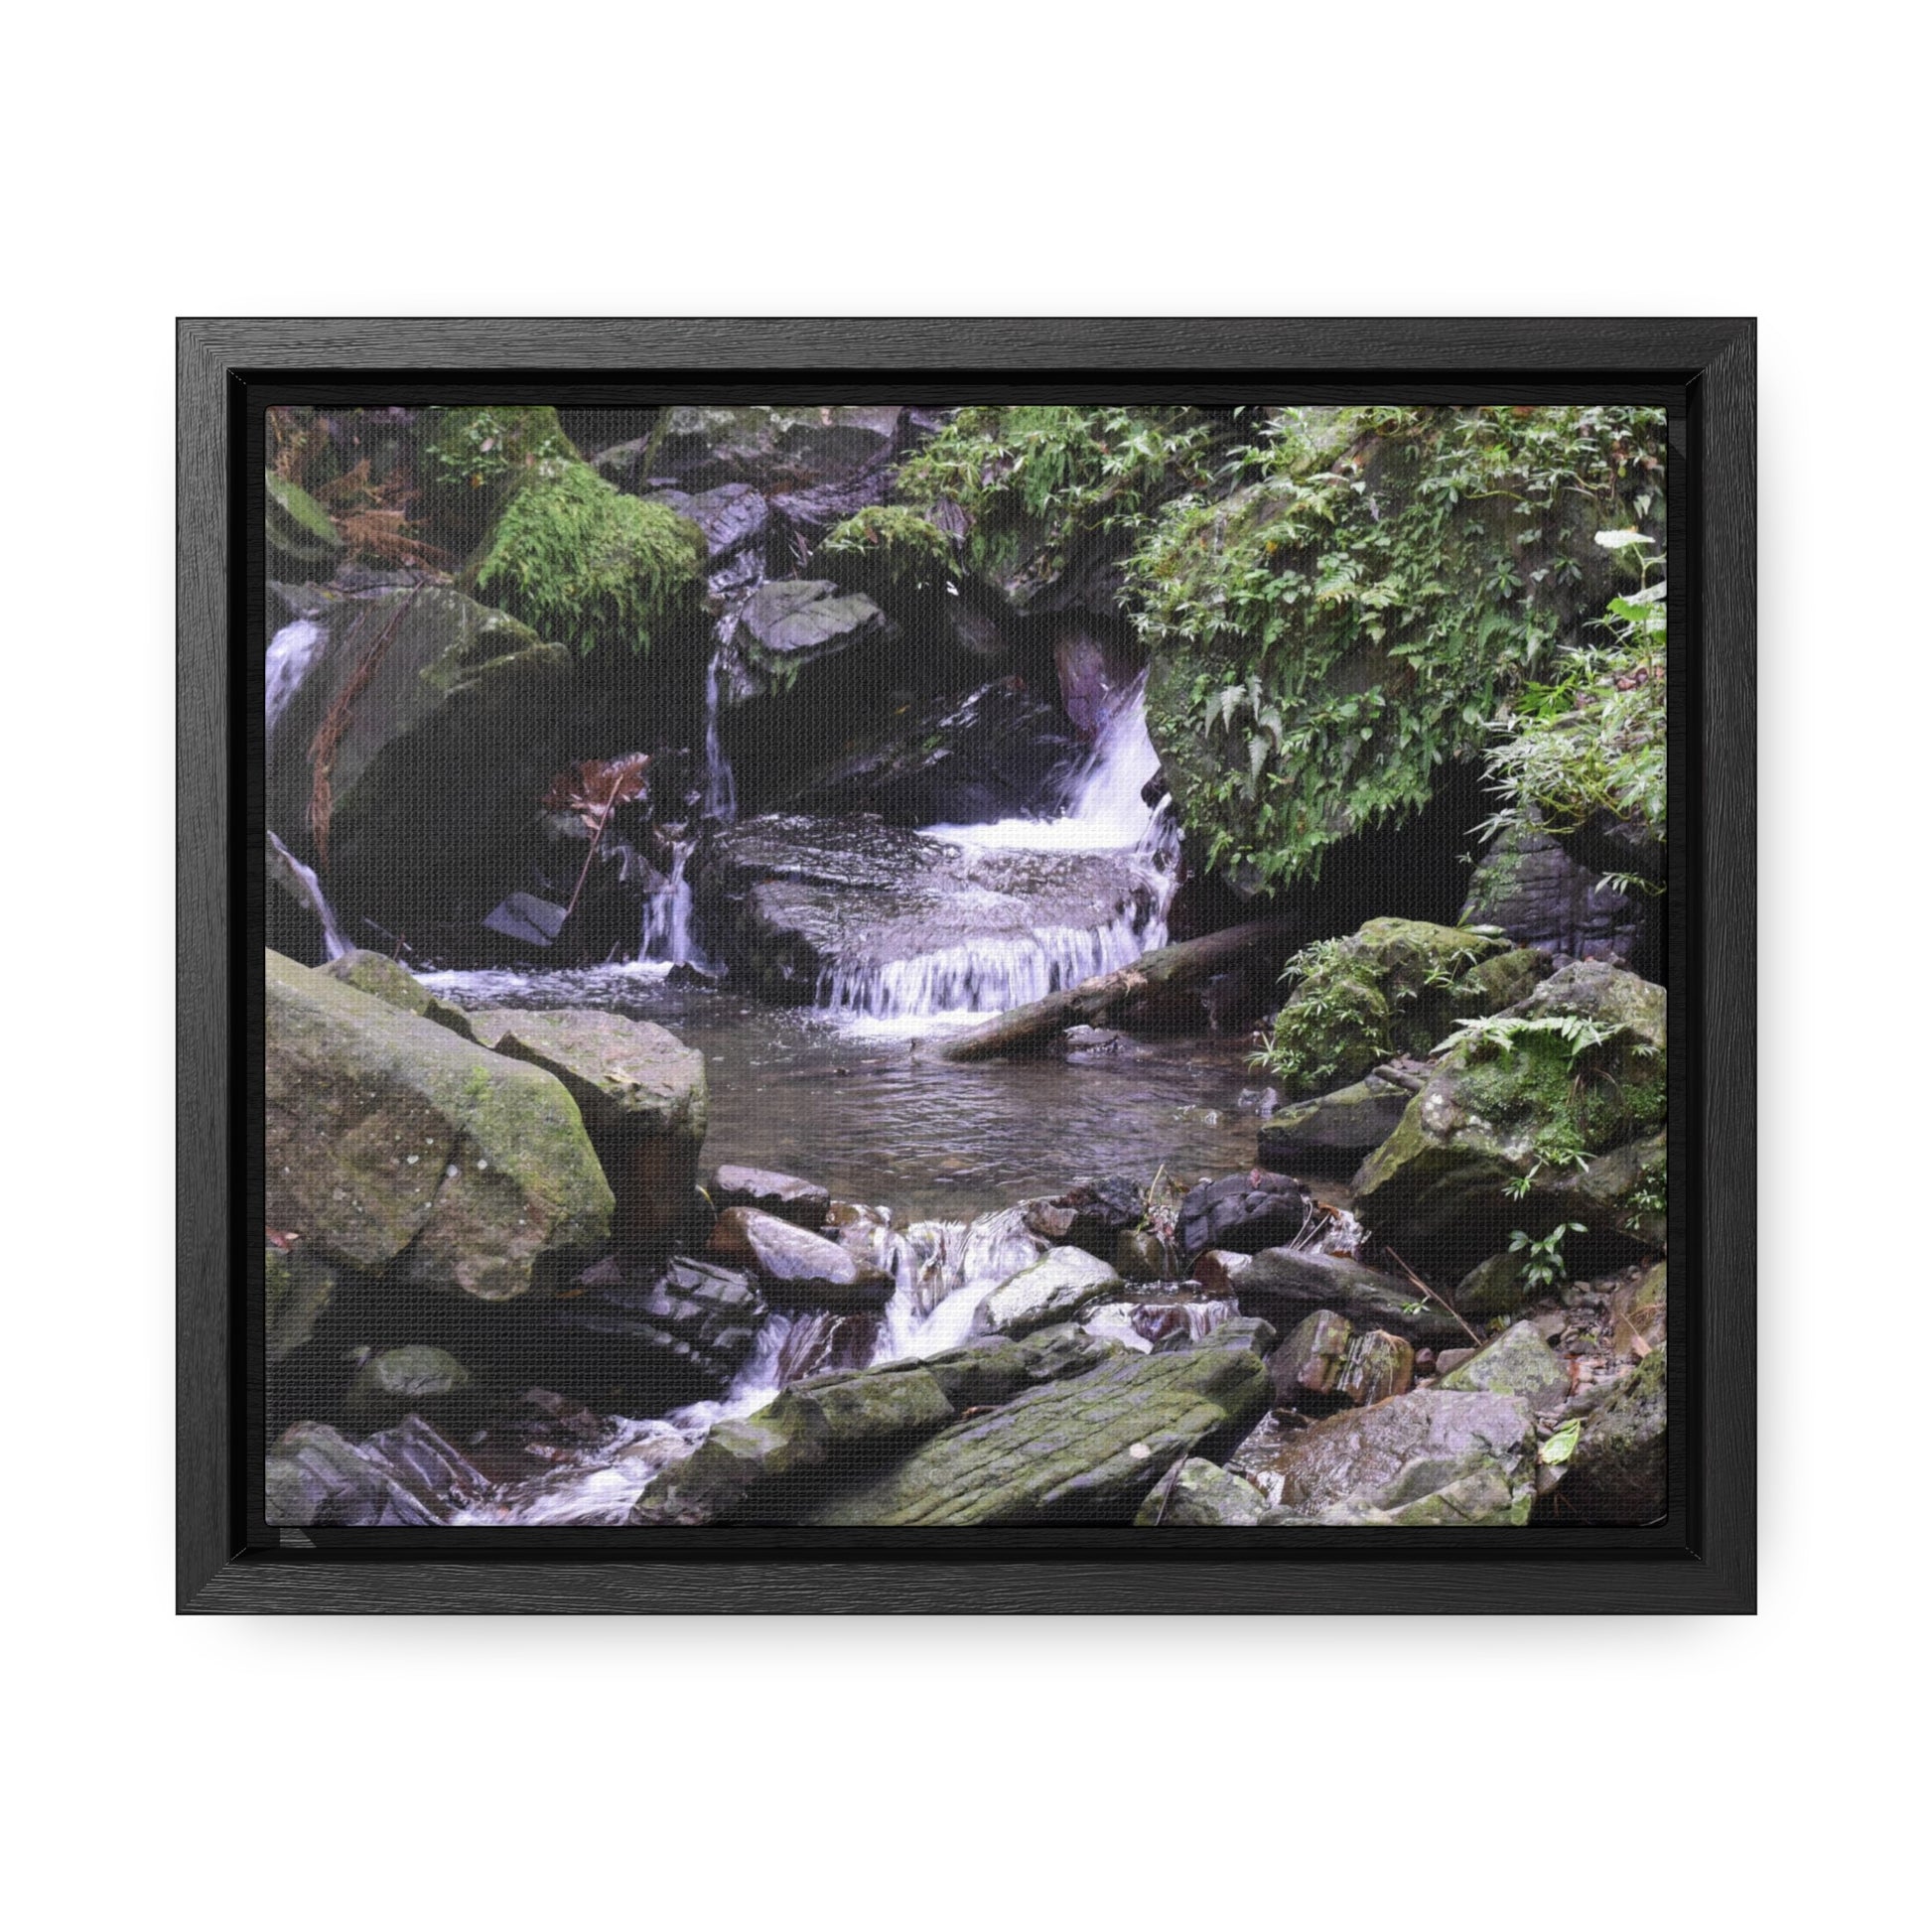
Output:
x=375 y=160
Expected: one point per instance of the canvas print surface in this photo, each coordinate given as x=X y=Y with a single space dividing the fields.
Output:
x=1047 y=965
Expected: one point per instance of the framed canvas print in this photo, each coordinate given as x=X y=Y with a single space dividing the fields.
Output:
x=1015 y=966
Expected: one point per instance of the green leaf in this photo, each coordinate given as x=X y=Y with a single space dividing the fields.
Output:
x=1561 y=1445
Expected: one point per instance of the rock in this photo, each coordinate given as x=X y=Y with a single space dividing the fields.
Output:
x=396 y=1381
x=1332 y=1134
x=1495 y=1287
x=1394 y=986
x=404 y=1477
x=1057 y=1286
x=1219 y=1271
x=801 y=1202
x=389 y=1137
x=1087 y=1450
x=382 y=978
x=1532 y=888
x=1242 y=1213
x=1429 y=1458
x=708 y=444
x=1141 y=1256
x=1091 y=1215
x=1096 y=668
x=799 y=1268
x=642 y=1095
x=1447 y=1361
x=1285 y=1284
x=1639 y=1313
x=995 y=753
x=730 y=517
x=1619 y=1471
x=1495 y=1113
x=446 y=751
x=1199 y=1493
x=1324 y=1355
x=1518 y=1362
x=299 y=1287
x=992 y=1369
x=304 y=545
x=1150 y=1325
x=1310 y=1360
x=637 y=1346
x=842 y=910
x=791 y=622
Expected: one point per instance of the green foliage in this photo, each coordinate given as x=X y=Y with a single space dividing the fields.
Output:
x=1506 y=1032
x=1373 y=592
x=472 y=448
x=579 y=561
x=1543 y=1264
x=1030 y=481
x=899 y=547
x=1592 y=739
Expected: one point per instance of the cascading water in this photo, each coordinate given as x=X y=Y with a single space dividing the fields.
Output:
x=304 y=883
x=1106 y=812
x=290 y=652
x=667 y=915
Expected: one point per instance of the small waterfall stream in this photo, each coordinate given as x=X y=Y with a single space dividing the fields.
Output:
x=290 y=652
x=303 y=882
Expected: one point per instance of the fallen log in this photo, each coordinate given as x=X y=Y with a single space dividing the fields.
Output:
x=1033 y=1028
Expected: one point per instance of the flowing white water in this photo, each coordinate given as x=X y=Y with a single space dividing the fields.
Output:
x=667 y=916
x=1106 y=812
x=307 y=886
x=290 y=652
x=720 y=783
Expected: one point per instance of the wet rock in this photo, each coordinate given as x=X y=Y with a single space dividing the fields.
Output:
x=1530 y=887
x=794 y=622
x=1447 y=1361
x=1093 y=1214
x=1087 y=1450
x=730 y=517
x=1200 y=1493
x=1494 y=1114
x=1332 y=1134
x=1378 y=1366
x=1285 y=1284
x=993 y=753
x=1309 y=1361
x=388 y=1138
x=1155 y=1324
x=993 y=1369
x=396 y=1381
x=642 y=1095
x=1096 y=667
x=1429 y=1458
x=1057 y=1286
x=446 y=746
x=299 y=1287
x=810 y=908
x=799 y=1268
x=382 y=978
x=1141 y=1255
x=822 y=1344
x=1219 y=1271
x=1518 y=1362
x=1242 y=1213
x=405 y=1477
x=801 y=1202
x=1619 y=1470
x=705 y=445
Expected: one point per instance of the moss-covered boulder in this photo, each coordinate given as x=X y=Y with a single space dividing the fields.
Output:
x=472 y=457
x=304 y=545
x=1560 y=1101
x=1393 y=988
x=589 y=567
x=1201 y=1494
x=1434 y=1458
x=1619 y=1471
x=1056 y=1288
x=1531 y=889
x=392 y=1142
x=415 y=1378
x=1087 y=1450
x=1331 y=1134
x=1518 y=1362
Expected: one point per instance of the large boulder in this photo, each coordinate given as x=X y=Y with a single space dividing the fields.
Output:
x=1332 y=1134
x=1428 y=1459
x=1561 y=1102
x=382 y=978
x=1531 y=889
x=778 y=450
x=844 y=909
x=1087 y=1450
x=389 y=1140
x=1242 y=1214
x=443 y=753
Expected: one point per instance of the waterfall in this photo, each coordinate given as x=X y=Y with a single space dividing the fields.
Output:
x=720 y=784
x=667 y=915
x=305 y=886
x=1105 y=810
x=290 y=652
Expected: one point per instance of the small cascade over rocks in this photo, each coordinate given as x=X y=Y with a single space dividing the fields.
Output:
x=667 y=935
x=303 y=884
x=290 y=652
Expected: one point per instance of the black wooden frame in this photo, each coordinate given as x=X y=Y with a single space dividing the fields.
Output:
x=1704 y=1560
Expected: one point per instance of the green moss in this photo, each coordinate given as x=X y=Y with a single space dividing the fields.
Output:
x=581 y=563
x=892 y=546
x=482 y=448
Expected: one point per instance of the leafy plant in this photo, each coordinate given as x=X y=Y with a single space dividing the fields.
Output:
x=1543 y=1264
x=593 y=789
x=900 y=544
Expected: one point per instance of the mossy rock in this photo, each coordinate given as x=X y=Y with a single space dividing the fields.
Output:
x=473 y=456
x=303 y=543
x=1619 y=1471
x=1569 y=1126
x=382 y=978
x=587 y=566
x=389 y=1139
x=1395 y=987
x=414 y=1378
